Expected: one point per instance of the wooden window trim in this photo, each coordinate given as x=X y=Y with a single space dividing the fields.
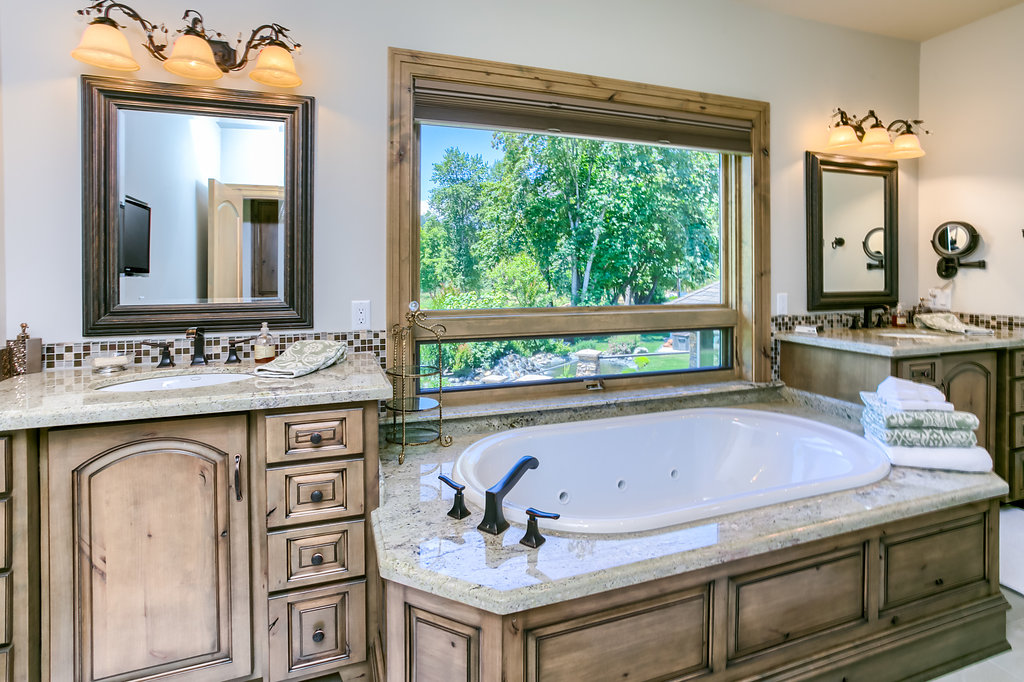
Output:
x=745 y=235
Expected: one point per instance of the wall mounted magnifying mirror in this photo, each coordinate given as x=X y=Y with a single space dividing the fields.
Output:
x=953 y=241
x=850 y=198
x=874 y=248
x=197 y=208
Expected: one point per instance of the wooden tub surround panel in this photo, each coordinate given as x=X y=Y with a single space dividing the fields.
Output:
x=909 y=599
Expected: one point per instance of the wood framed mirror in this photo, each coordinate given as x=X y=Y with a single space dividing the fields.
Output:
x=196 y=208
x=851 y=201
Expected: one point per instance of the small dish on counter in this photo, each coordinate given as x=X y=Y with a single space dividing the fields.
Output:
x=111 y=364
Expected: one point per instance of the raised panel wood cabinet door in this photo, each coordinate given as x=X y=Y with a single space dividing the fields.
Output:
x=969 y=381
x=149 y=552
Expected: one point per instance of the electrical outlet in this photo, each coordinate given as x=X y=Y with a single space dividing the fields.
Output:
x=941 y=299
x=360 y=314
x=782 y=304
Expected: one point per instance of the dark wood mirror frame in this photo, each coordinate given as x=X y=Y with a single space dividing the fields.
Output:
x=817 y=298
x=102 y=312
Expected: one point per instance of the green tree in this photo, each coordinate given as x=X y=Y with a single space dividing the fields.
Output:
x=457 y=200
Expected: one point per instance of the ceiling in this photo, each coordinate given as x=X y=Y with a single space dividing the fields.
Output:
x=908 y=19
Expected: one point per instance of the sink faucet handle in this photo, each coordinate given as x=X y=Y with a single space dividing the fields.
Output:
x=532 y=538
x=198 y=345
x=458 y=510
x=233 y=350
x=165 y=352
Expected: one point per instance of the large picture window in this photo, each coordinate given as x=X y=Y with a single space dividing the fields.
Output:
x=564 y=227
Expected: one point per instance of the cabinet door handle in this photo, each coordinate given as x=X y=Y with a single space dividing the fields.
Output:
x=238 y=477
x=318 y=635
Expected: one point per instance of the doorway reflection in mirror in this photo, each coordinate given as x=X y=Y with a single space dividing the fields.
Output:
x=215 y=189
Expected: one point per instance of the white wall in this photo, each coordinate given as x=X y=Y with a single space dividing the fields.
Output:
x=972 y=99
x=803 y=69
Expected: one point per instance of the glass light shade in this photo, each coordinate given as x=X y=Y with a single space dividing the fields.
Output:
x=104 y=46
x=906 y=146
x=275 y=67
x=876 y=141
x=842 y=137
x=193 y=58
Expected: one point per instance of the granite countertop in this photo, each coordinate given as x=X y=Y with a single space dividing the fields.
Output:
x=68 y=397
x=904 y=341
x=419 y=546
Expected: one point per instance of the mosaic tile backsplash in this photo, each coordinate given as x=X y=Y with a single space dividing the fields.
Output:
x=73 y=355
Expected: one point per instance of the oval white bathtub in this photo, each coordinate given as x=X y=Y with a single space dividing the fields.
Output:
x=649 y=471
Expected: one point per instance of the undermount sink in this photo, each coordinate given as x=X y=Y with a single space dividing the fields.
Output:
x=175 y=383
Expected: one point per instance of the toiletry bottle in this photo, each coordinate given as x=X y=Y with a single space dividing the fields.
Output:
x=264 y=348
x=899 y=317
x=26 y=353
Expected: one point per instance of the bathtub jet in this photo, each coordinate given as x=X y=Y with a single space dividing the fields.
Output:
x=643 y=472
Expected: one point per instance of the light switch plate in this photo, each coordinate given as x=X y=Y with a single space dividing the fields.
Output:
x=940 y=299
x=782 y=304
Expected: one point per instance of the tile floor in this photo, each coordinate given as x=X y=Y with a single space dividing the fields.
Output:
x=1008 y=665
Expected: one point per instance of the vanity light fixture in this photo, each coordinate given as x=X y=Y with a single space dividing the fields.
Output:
x=850 y=135
x=195 y=54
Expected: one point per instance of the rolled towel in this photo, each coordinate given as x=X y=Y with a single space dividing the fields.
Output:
x=894 y=388
x=918 y=437
x=303 y=357
x=971 y=460
x=917 y=418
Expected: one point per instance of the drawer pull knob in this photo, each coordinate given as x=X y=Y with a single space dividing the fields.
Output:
x=316 y=438
x=317 y=559
x=318 y=635
x=317 y=496
x=938 y=581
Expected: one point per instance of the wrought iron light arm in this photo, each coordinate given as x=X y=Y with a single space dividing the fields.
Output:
x=104 y=7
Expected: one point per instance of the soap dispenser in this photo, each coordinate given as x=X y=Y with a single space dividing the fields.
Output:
x=265 y=347
x=26 y=353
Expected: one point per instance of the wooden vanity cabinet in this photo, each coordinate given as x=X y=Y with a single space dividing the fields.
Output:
x=147 y=549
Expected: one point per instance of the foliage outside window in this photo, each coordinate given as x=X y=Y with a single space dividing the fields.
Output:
x=576 y=232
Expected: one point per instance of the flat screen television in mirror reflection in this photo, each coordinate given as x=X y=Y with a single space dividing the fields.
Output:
x=135 y=222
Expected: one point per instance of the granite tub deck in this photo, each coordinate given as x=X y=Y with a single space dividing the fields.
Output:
x=420 y=547
x=915 y=342
x=68 y=397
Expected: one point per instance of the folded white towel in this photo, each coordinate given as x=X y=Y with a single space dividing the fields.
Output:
x=901 y=389
x=971 y=460
x=908 y=405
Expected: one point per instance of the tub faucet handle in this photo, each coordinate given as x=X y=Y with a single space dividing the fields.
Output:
x=458 y=510
x=533 y=538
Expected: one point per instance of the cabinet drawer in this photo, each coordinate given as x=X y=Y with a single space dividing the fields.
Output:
x=1017 y=363
x=314 y=435
x=311 y=556
x=5 y=609
x=314 y=492
x=929 y=561
x=317 y=630
x=5 y=534
x=1018 y=395
x=1016 y=475
x=921 y=371
x=5 y=465
x=1017 y=433
x=784 y=603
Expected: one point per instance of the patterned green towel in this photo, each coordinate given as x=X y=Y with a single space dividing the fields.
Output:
x=304 y=357
x=917 y=437
x=893 y=419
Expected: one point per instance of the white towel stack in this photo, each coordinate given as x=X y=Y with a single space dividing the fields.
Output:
x=921 y=406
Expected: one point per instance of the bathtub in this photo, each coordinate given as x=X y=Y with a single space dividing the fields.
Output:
x=637 y=473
